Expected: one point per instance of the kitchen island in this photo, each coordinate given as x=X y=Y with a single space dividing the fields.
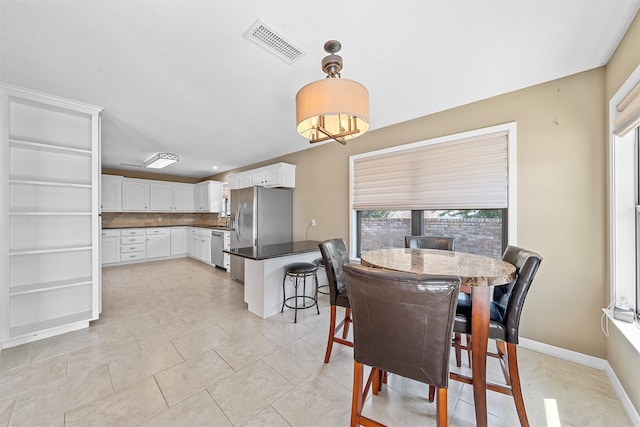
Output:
x=264 y=271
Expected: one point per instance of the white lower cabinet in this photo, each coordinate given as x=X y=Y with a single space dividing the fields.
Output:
x=132 y=244
x=110 y=246
x=125 y=245
x=179 y=239
x=158 y=242
x=201 y=244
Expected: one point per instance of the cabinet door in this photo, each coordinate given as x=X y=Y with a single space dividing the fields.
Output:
x=161 y=196
x=257 y=178
x=200 y=197
x=183 y=197
x=110 y=250
x=245 y=180
x=205 y=248
x=158 y=245
x=179 y=239
x=111 y=193
x=135 y=195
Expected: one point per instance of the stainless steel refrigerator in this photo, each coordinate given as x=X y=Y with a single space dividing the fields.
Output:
x=259 y=216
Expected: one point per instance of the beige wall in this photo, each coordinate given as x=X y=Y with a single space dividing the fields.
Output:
x=561 y=195
x=623 y=358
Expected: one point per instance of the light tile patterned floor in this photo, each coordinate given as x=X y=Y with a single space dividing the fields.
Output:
x=176 y=346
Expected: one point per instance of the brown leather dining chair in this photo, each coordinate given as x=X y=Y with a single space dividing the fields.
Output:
x=444 y=244
x=505 y=311
x=335 y=255
x=429 y=242
x=402 y=325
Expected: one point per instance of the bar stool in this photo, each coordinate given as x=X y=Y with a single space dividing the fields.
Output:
x=298 y=272
x=322 y=289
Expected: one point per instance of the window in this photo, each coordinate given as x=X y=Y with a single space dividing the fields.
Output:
x=624 y=114
x=459 y=186
x=477 y=231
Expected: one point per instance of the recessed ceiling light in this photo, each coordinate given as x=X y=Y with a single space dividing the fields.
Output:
x=214 y=167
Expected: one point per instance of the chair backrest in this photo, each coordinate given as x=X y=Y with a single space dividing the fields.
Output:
x=511 y=297
x=429 y=242
x=335 y=255
x=402 y=322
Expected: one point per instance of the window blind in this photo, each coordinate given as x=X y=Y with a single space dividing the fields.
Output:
x=470 y=173
x=628 y=116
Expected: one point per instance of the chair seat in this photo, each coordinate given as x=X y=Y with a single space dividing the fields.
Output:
x=497 y=331
x=496 y=311
x=342 y=299
x=300 y=268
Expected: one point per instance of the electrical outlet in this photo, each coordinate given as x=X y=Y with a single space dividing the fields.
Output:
x=313 y=222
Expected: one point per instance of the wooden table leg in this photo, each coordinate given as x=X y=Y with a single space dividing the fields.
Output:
x=479 y=338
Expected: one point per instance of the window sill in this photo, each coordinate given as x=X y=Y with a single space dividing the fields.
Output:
x=630 y=331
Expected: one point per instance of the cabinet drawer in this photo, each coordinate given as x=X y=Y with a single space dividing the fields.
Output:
x=132 y=248
x=111 y=233
x=152 y=231
x=131 y=240
x=132 y=256
x=132 y=232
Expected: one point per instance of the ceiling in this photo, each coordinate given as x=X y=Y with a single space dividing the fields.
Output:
x=178 y=76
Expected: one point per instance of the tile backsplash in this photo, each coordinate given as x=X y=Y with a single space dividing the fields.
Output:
x=146 y=219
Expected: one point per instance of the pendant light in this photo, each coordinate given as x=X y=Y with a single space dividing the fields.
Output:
x=333 y=108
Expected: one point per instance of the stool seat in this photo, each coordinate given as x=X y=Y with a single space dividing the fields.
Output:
x=298 y=272
x=300 y=268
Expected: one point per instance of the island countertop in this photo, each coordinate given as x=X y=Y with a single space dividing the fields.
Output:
x=274 y=251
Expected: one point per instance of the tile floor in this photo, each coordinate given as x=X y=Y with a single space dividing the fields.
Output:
x=176 y=346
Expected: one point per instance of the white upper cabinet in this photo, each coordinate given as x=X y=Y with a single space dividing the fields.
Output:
x=135 y=195
x=183 y=197
x=160 y=196
x=171 y=197
x=276 y=175
x=111 y=193
x=279 y=175
x=208 y=196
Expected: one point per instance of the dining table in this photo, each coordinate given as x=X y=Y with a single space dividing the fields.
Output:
x=478 y=274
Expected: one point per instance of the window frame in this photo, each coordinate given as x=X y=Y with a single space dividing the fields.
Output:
x=511 y=217
x=623 y=186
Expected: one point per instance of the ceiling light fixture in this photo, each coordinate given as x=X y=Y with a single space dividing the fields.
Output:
x=161 y=160
x=333 y=108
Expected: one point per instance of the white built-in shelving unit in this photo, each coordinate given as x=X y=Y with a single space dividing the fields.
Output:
x=50 y=208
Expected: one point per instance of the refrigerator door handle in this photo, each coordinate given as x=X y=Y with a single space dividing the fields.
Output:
x=238 y=221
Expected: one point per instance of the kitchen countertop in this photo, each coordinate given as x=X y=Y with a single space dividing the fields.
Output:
x=274 y=251
x=212 y=227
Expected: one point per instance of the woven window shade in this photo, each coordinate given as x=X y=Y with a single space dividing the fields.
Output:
x=628 y=117
x=470 y=173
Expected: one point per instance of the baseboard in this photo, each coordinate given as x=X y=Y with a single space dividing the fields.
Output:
x=592 y=362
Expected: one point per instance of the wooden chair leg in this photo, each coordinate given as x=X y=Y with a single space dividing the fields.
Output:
x=458 y=351
x=516 y=388
x=347 y=321
x=432 y=392
x=376 y=374
x=441 y=408
x=356 y=395
x=504 y=361
x=332 y=332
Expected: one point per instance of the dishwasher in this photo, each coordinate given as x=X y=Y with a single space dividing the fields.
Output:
x=217 y=247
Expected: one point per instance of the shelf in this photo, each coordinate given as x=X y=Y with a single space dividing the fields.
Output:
x=46 y=146
x=49 y=250
x=32 y=213
x=27 y=181
x=39 y=327
x=43 y=287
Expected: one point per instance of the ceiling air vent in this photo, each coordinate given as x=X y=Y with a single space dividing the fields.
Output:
x=268 y=39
